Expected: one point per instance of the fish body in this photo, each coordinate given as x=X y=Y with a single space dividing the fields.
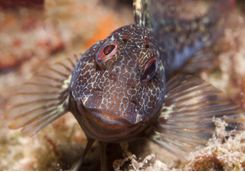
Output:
x=119 y=95
x=121 y=87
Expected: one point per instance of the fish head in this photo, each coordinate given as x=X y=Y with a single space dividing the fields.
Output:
x=120 y=81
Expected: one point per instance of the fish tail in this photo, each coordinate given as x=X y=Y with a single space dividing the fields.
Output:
x=41 y=100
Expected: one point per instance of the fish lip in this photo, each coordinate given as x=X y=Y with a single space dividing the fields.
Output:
x=107 y=128
x=109 y=118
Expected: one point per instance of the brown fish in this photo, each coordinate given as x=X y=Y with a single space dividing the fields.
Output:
x=122 y=87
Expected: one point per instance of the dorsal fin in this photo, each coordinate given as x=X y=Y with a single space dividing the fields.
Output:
x=141 y=13
x=43 y=99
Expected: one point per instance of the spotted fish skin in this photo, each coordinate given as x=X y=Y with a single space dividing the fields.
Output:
x=113 y=96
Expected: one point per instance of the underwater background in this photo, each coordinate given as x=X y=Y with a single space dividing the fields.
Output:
x=35 y=33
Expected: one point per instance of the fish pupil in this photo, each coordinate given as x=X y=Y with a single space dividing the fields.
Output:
x=108 y=49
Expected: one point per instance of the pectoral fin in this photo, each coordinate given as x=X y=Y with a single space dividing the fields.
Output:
x=43 y=99
x=186 y=119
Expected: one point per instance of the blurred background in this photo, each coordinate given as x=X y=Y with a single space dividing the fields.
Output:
x=35 y=32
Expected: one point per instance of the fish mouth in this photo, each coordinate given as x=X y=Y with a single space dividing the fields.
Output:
x=108 y=118
x=108 y=127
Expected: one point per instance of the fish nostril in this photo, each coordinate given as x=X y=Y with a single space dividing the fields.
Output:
x=125 y=38
x=134 y=102
x=147 y=46
x=98 y=90
x=97 y=67
x=146 y=43
x=113 y=76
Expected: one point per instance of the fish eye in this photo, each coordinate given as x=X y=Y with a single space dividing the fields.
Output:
x=106 y=52
x=149 y=70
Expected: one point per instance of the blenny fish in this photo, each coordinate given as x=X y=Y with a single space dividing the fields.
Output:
x=126 y=86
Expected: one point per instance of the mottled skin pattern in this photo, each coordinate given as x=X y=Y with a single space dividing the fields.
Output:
x=117 y=94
